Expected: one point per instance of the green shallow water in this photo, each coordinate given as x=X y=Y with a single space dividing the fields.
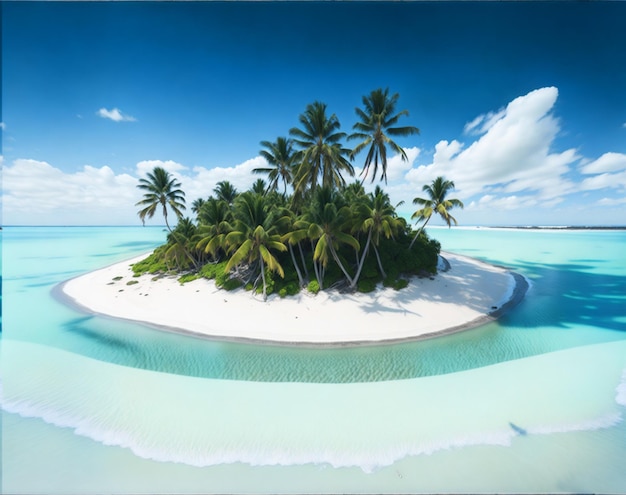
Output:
x=94 y=405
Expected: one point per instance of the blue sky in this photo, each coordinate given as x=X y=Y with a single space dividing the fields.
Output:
x=521 y=104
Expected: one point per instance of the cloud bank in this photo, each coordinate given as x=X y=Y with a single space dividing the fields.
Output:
x=508 y=172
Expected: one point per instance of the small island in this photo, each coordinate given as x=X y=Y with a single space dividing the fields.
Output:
x=321 y=262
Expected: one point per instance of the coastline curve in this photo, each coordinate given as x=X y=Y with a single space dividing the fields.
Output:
x=468 y=294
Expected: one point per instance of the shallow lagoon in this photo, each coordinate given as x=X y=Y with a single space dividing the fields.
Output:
x=97 y=405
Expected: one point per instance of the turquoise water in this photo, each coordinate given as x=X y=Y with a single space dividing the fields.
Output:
x=92 y=404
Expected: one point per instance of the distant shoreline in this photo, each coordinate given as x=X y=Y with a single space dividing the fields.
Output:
x=568 y=227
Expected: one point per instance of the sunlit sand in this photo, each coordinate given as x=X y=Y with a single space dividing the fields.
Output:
x=470 y=293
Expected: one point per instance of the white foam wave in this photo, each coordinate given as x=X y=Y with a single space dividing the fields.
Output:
x=204 y=422
x=599 y=423
x=204 y=453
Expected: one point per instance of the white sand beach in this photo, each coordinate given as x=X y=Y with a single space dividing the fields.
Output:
x=468 y=294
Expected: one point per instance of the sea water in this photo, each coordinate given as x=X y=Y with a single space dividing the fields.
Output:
x=534 y=402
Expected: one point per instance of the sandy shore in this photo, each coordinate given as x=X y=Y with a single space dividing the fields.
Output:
x=467 y=295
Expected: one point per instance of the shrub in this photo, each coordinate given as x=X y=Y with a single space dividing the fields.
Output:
x=366 y=285
x=154 y=263
x=289 y=289
x=399 y=283
x=313 y=287
x=212 y=270
x=188 y=277
x=231 y=284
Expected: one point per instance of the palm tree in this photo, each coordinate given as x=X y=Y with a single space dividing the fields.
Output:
x=196 y=206
x=377 y=217
x=281 y=160
x=258 y=187
x=215 y=224
x=376 y=129
x=326 y=221
x=161 y=190
x=253 y=238
x=435 y=203
x=293 y=236
x=225 y=191
x=321 y=152
x=180 y=243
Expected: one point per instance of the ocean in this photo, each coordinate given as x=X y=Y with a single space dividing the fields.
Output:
x=535 y=402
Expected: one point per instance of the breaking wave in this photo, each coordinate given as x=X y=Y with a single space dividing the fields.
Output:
x=205 y=422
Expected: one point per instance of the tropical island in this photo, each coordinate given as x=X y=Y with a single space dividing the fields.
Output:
x=324 y=243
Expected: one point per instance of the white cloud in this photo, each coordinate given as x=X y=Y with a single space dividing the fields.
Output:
x=609 y=162
x=397 y=168
x=604 y=181
x=38 y=193
x=512 y=155
x=612 y=201
x=115 y=115
x=171 y=166
x=35 y=192
x=204 y=180
x=487 y=120
x=3 y=126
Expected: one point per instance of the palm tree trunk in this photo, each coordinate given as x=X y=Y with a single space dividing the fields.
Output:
x=362 y=260
x=263 y=278
x=418 y=233
x=295 y=264
x=306 y=270
x=338 y=261
x=380 y=265
x=318 y=275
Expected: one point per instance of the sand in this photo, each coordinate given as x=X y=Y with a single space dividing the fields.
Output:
x=467 y=295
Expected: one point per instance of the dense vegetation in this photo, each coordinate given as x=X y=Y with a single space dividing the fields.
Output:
x=324 y=234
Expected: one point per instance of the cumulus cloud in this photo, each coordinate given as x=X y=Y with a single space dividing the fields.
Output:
x=115 y=115
x=513 y=153
x=145 y=166
x=38 y=193
x=35 y=192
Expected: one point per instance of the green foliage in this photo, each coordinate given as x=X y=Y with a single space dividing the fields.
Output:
x=313 y=287
x=231 y=284
x=118 y=278
x=221 y=278
x=188 y=277
x=153 y=264
x=396 y=283
x=212 y=270
x=345 y=236
x=366 y=285
x=132 y=282
x=289 y=289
